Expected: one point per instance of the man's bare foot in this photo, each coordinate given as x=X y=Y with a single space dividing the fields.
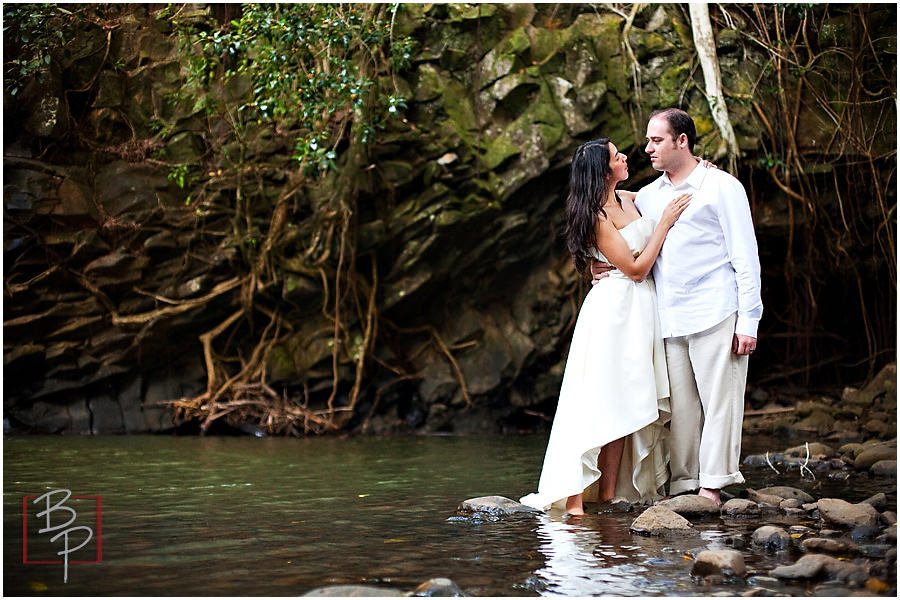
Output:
x=574 y=506
x=713 y=495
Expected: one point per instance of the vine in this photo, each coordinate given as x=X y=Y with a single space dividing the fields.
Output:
x=305 y=73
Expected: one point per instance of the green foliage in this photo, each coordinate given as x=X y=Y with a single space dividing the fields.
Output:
x=310 y=68
x=33 y=34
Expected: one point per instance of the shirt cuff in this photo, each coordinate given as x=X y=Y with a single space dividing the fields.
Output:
x=746 y=326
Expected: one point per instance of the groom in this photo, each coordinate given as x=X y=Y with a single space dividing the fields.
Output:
x=708 y=290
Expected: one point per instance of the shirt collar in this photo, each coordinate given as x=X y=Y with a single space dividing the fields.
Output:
x=694 y=180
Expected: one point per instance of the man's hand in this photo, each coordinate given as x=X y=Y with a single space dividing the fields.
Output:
x=743 y=344
x=599 y=270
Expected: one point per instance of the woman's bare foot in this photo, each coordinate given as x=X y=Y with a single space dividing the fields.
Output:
x=713 y=495
x=574 y=505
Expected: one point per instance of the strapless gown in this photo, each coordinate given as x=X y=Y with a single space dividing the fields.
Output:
x=615 y=385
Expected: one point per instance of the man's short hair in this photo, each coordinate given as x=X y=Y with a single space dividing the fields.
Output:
x=679 y=122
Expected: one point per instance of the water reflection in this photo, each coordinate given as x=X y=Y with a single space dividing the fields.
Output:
x=239 y=516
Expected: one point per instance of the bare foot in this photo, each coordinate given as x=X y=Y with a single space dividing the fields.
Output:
x=713 y=495
x=574 y=506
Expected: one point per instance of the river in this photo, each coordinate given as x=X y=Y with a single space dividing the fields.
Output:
x=200 y=516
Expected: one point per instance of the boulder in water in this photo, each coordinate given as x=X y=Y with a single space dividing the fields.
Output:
x=661 y=521
x=495 y=506
x=841 y=512
x=720 y=561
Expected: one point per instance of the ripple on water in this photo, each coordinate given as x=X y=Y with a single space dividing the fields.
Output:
x=205 y=516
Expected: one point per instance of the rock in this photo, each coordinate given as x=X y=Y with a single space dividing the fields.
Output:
x=787 y=492
x=889 y=517
x=829 y=546
x=819 y=421
x=760 y=497
x=879 y=501
x=771 y=538
x=617 y=504
x=438 y=587
x=661 y=521
x=739 y=507
x=884 y=468
x=790 y=503
x=719 y=562
x=869 y=456
x=841 y=512
x=352 y=591
x=864 y=532
x=496 y=506
x=816 y=449
x=814 y=566
x=889 y=536
x=691 y=505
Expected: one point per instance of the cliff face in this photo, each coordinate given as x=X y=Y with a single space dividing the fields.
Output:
x=453 y=292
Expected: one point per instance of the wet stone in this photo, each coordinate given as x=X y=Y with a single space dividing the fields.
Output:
x=740 y=507
x=829 y=546
x=661 y=521
x=871 y=455
x=790 y=503
x=816 y=449
x=438 y=587
x=875 y=550
x=841 y=512
x=816 y=566
x=879 y=501
x=772 y=538
x=762 y=498
x=497 y=506
x=865 y=532
x=691 y=505
x=884 y=468
x=352 y=591
x=720 y=561
x=787 y=492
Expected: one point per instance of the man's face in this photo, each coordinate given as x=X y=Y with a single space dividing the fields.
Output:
x=661 y=146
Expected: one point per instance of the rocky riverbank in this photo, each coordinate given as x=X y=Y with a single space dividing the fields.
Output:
x=768 y=539
x=819 y=545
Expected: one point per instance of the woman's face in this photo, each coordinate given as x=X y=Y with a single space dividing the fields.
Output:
x=618 y=165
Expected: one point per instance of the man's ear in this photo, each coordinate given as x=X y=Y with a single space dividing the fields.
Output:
x=683 y=140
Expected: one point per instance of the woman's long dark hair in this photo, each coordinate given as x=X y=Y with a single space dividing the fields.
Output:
x=588 y=189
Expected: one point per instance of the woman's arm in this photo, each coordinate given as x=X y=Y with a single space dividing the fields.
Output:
x=613 y=246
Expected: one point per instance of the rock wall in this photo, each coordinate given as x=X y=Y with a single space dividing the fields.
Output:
x=111 y=277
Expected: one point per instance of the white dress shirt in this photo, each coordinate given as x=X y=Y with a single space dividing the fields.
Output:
x=709 y=264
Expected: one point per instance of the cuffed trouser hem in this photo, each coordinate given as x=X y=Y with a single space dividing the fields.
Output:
x=717 y=482
x=683 y=485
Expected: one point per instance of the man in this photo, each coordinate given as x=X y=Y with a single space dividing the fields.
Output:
x=708 y=290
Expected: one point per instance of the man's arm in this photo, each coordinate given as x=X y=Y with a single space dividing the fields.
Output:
x=599 y=270
x=740 y=240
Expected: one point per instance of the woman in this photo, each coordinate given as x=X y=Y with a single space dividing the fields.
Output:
x=613 y=404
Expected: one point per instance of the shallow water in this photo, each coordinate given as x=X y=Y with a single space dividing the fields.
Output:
x=244 y=516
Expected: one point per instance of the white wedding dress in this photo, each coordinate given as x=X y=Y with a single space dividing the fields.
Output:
x=615 y=385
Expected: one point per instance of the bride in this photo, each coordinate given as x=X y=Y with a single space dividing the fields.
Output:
x=607 y=435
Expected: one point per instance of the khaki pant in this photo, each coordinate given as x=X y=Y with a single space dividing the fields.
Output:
x=707 y=382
